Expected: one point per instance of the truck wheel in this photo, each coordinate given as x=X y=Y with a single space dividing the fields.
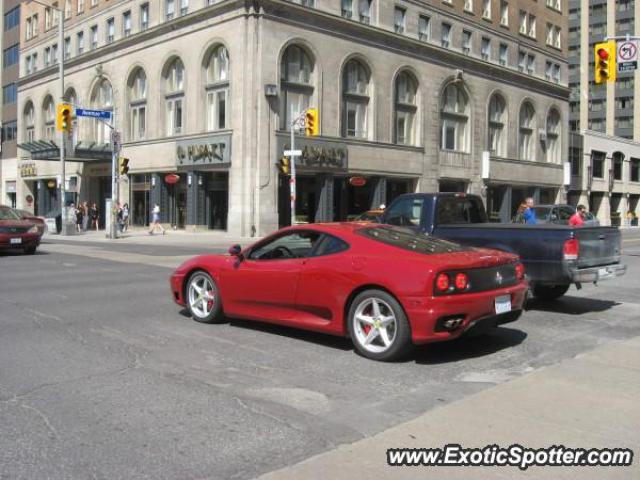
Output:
x=549 y=292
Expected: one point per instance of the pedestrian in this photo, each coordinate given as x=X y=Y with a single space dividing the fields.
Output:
x=94 y=213
x=529 y=212
x=85 y=216
x=519 y=216
x=119 y=218
x=125 y=217
x=79 y=218
x=155 y=220
x=577 y=219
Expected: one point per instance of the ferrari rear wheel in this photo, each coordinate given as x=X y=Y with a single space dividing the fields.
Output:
x=378 y=326
x=203 y=298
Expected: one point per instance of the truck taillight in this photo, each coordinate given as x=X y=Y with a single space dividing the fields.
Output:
x=571 y=249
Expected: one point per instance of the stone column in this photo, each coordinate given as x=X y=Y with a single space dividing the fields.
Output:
x=324 y=195
x=379 y=196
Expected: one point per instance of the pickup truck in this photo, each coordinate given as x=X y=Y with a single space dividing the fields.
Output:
x=555 y=256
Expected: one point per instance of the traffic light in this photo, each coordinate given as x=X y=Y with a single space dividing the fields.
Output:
x=284 y=165
x=312 y=122
x=123 y=165
x=605 y=62
x=63 y=118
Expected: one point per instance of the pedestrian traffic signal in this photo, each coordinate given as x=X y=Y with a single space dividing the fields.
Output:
x=123 y=165
x=63 y=117
x=284 y=165
x=312 y=123
x=605 y=62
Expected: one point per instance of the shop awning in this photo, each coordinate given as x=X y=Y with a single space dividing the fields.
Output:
x=83 y=151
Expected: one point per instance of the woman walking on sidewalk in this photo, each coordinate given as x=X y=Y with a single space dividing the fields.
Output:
x=155 y=220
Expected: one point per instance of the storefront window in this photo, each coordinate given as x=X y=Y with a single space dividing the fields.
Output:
x=454 y=117
x=174 y=97
x=217 y=89
x=297 y=83
x=356 y=79
x=137 y=89
x=527 y=125
x=553 y=136
x=497 y=122
x=406 y=108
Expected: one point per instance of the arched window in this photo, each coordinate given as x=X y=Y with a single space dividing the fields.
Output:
x=71 y=97
x=406 y=91
x=174 y=97
x=137 y=97
x=355 y=100
x=527 y=126
x=296 y=83
x=29 y=122
x=217 y=89
x=497 y=126
x=454 y=119
x=49 y=115
x=101 y=99
x=553 y=136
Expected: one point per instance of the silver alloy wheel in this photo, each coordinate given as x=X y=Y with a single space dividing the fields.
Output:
x=375 y=325
x=201 y=295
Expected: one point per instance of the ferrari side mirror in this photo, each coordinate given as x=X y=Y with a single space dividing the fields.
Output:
x=235 y=250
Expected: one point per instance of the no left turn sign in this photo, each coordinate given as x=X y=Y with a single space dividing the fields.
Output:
x=627 y=55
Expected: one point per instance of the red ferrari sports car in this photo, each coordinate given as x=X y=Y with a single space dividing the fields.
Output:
x=385 y=287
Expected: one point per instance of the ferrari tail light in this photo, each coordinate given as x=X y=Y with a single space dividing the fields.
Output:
x=519 y=271
x=461 y=281
x=571 y=249
x=442 y=282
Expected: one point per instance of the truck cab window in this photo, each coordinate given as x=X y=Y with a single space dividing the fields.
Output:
x=455 y=210
x=406 y=212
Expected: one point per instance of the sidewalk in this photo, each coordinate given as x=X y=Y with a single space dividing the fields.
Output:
x=589 y=401
x=142 y=237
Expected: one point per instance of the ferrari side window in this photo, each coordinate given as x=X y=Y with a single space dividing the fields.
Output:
x=292 y=245
x=330 y=244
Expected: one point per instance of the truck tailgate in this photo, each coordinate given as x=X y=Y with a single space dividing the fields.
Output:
x=598 y=246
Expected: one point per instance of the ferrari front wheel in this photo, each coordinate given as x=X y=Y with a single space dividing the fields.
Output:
x=378 y=326
x=203 y=298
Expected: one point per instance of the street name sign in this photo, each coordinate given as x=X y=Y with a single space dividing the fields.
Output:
x=101 y=114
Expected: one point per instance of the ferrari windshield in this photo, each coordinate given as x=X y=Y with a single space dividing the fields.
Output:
x=8 y=214
x=407 y=239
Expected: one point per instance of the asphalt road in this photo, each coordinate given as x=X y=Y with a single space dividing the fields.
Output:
x=101 y=376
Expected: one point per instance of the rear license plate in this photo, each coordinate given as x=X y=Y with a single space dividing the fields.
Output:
x=15 y=241
x=503 y=304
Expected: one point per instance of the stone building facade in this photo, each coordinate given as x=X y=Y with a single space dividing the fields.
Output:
x=410 y=94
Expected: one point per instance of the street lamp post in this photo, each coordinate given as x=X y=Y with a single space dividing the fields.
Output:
x=63 y=212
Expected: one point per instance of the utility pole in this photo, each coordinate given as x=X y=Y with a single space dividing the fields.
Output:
x=115 y=194
x=63 y=178
x=292 y=180
x=63 y=210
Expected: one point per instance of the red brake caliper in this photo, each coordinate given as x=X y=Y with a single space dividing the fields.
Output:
x=366 y=329
x=210 y=302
